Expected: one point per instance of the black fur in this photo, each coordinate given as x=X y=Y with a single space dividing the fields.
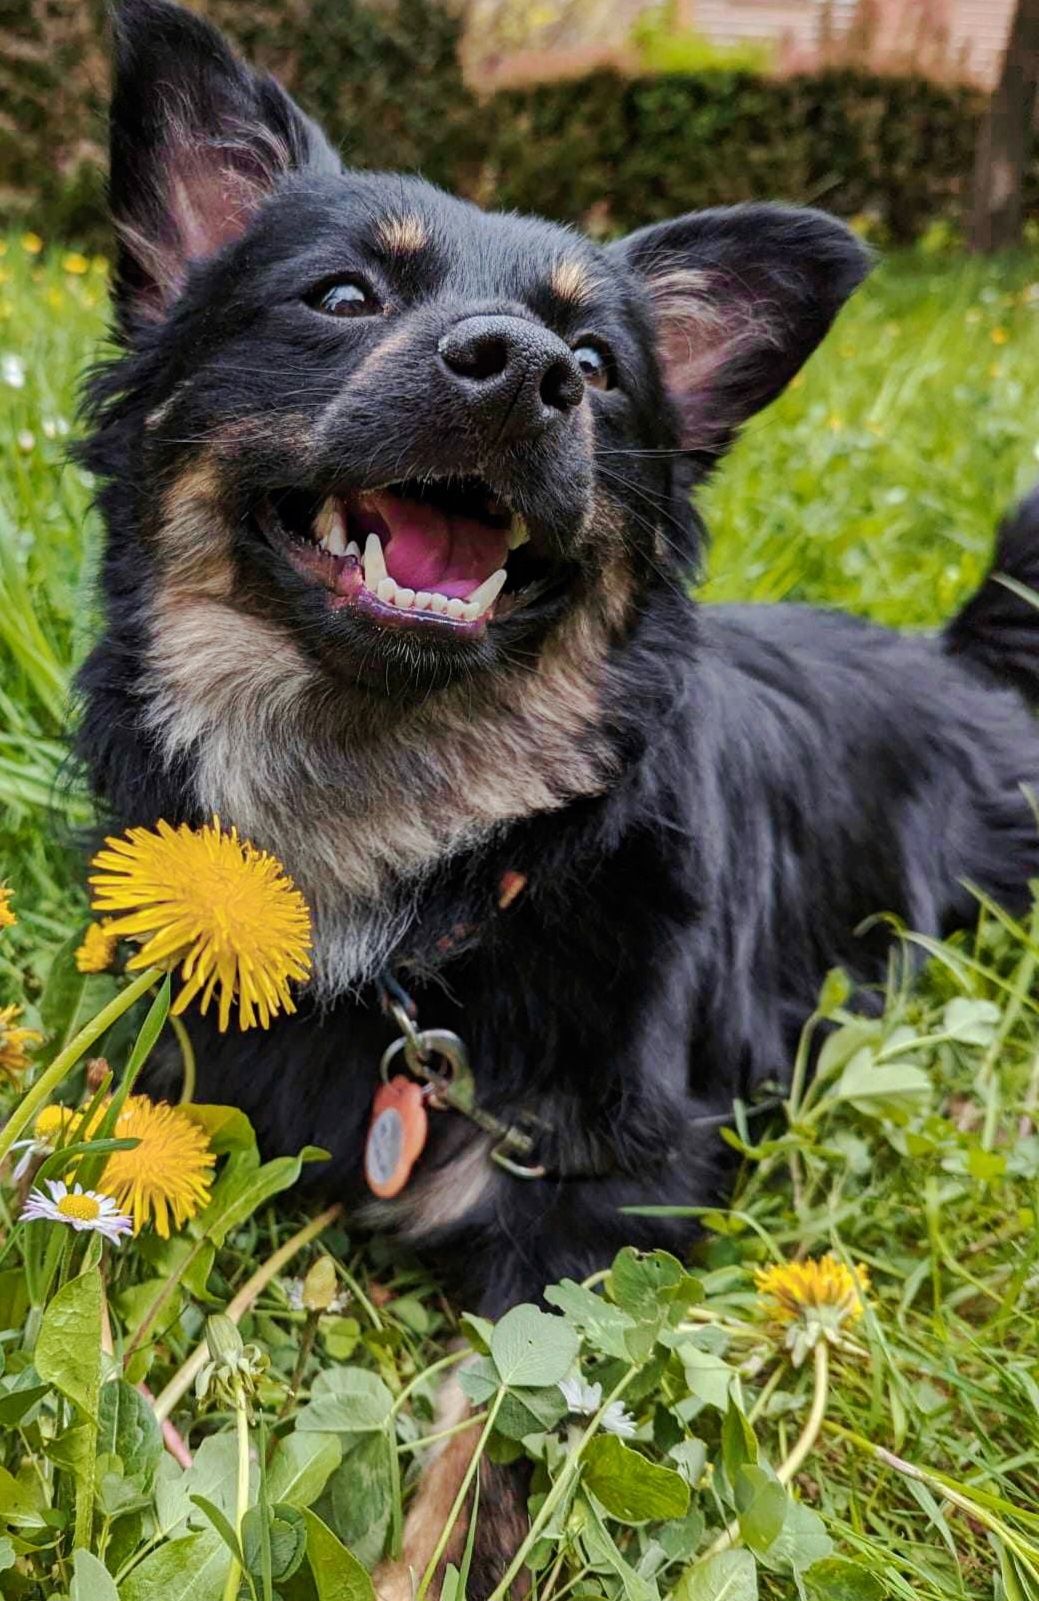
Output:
x=779 y=774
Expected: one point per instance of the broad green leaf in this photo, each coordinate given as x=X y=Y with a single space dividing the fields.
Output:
x=358 y=1498
x=530 y=1411
x=91 y=1580
x=345 y=1401
x=8 y=1554
x=837 y=1579
x=192 y=1569
x=288 y=1541
x=874 y=1087
x=533 y=1348
x=604 y=1325
x=338 y=1576
x=68 y=1347
x=729 y=1576
x=213 y=1475
x=628 y=1486
x=738 y=1443
x=709 y=1378
x=238 y=1194
x=761 y=1504
x=128 y=1429
x=973 y=1022
x=226 y=1127
x=19 y=1508
x=801 y=1541
x=301 y=1466
x=19 y=1395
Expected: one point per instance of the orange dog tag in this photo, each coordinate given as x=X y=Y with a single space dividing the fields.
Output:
x=396 y=1136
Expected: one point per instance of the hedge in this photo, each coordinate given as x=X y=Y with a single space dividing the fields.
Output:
x=604 y=150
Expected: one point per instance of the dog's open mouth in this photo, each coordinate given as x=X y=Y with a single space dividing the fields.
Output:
x=438 y=554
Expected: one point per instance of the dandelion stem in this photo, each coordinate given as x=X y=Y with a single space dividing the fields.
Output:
x=242 y=1499
x=187 y=1052
x=799 y=1451
x=66 y=1059
x=810 y=1433
x=184 y=1377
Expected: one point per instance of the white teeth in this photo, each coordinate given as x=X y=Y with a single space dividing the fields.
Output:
x=483 y=598
x=423 y=600
x=455 y=608
x=353 y=549
x=404 y=598
x=374 y=563
x=519 y=533
x=386 y=588
x=439 y=603
x=336 y=538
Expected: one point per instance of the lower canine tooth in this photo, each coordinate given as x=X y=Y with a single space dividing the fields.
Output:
x=386 y=590
x=374 y=563
x=488 y=592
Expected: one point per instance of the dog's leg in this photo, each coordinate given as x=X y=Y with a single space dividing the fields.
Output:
x=502 y=1518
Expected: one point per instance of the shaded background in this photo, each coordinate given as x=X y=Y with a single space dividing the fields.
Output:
x=608 y=113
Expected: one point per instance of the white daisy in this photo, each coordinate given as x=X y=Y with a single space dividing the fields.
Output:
x=12 y=370
x=81 y=1209
x=585 y=1399
x=616 y=1421
x=582 y=1399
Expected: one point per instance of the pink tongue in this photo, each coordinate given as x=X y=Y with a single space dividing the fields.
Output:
x=429 y=549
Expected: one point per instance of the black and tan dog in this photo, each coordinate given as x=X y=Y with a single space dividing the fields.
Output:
x=399 y=532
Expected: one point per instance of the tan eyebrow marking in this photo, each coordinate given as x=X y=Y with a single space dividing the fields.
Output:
x=403 y=234
x=571 y=280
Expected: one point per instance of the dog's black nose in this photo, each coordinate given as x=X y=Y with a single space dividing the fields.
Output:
x=512 y=372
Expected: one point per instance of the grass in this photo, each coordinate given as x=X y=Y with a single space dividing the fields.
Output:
x=875 y=484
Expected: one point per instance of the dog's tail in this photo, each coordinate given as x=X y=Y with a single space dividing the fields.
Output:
x=998 y=629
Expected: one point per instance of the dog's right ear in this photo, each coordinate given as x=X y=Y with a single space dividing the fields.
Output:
x=198 y=141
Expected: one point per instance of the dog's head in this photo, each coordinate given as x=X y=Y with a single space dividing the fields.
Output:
x=411 y=433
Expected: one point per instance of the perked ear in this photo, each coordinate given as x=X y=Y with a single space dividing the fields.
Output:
x=197 y=141
x=741 y=295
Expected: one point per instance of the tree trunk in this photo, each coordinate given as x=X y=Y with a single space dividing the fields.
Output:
x=1005 y=138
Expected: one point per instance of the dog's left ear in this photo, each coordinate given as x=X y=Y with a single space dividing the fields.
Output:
x=741 y=297
x=197 y=141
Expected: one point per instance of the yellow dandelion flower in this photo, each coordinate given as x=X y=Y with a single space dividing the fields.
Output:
x=223 y=909
x=811 y=1300
x=7 y=917
x=167 y=1176
x=32 y=244
x=999 y=336
x=14 y=1041
x=97 y=952
x=74 y=263
x=54 y=1122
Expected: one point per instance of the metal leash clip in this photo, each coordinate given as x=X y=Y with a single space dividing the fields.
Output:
x=439 y=1057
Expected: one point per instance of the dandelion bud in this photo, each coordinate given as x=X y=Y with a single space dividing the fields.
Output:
x=232 y=1375
x=97 y=1071
x=319 y=1286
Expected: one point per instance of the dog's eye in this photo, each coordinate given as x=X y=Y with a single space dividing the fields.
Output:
x=349 y=297
x=596 y=364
